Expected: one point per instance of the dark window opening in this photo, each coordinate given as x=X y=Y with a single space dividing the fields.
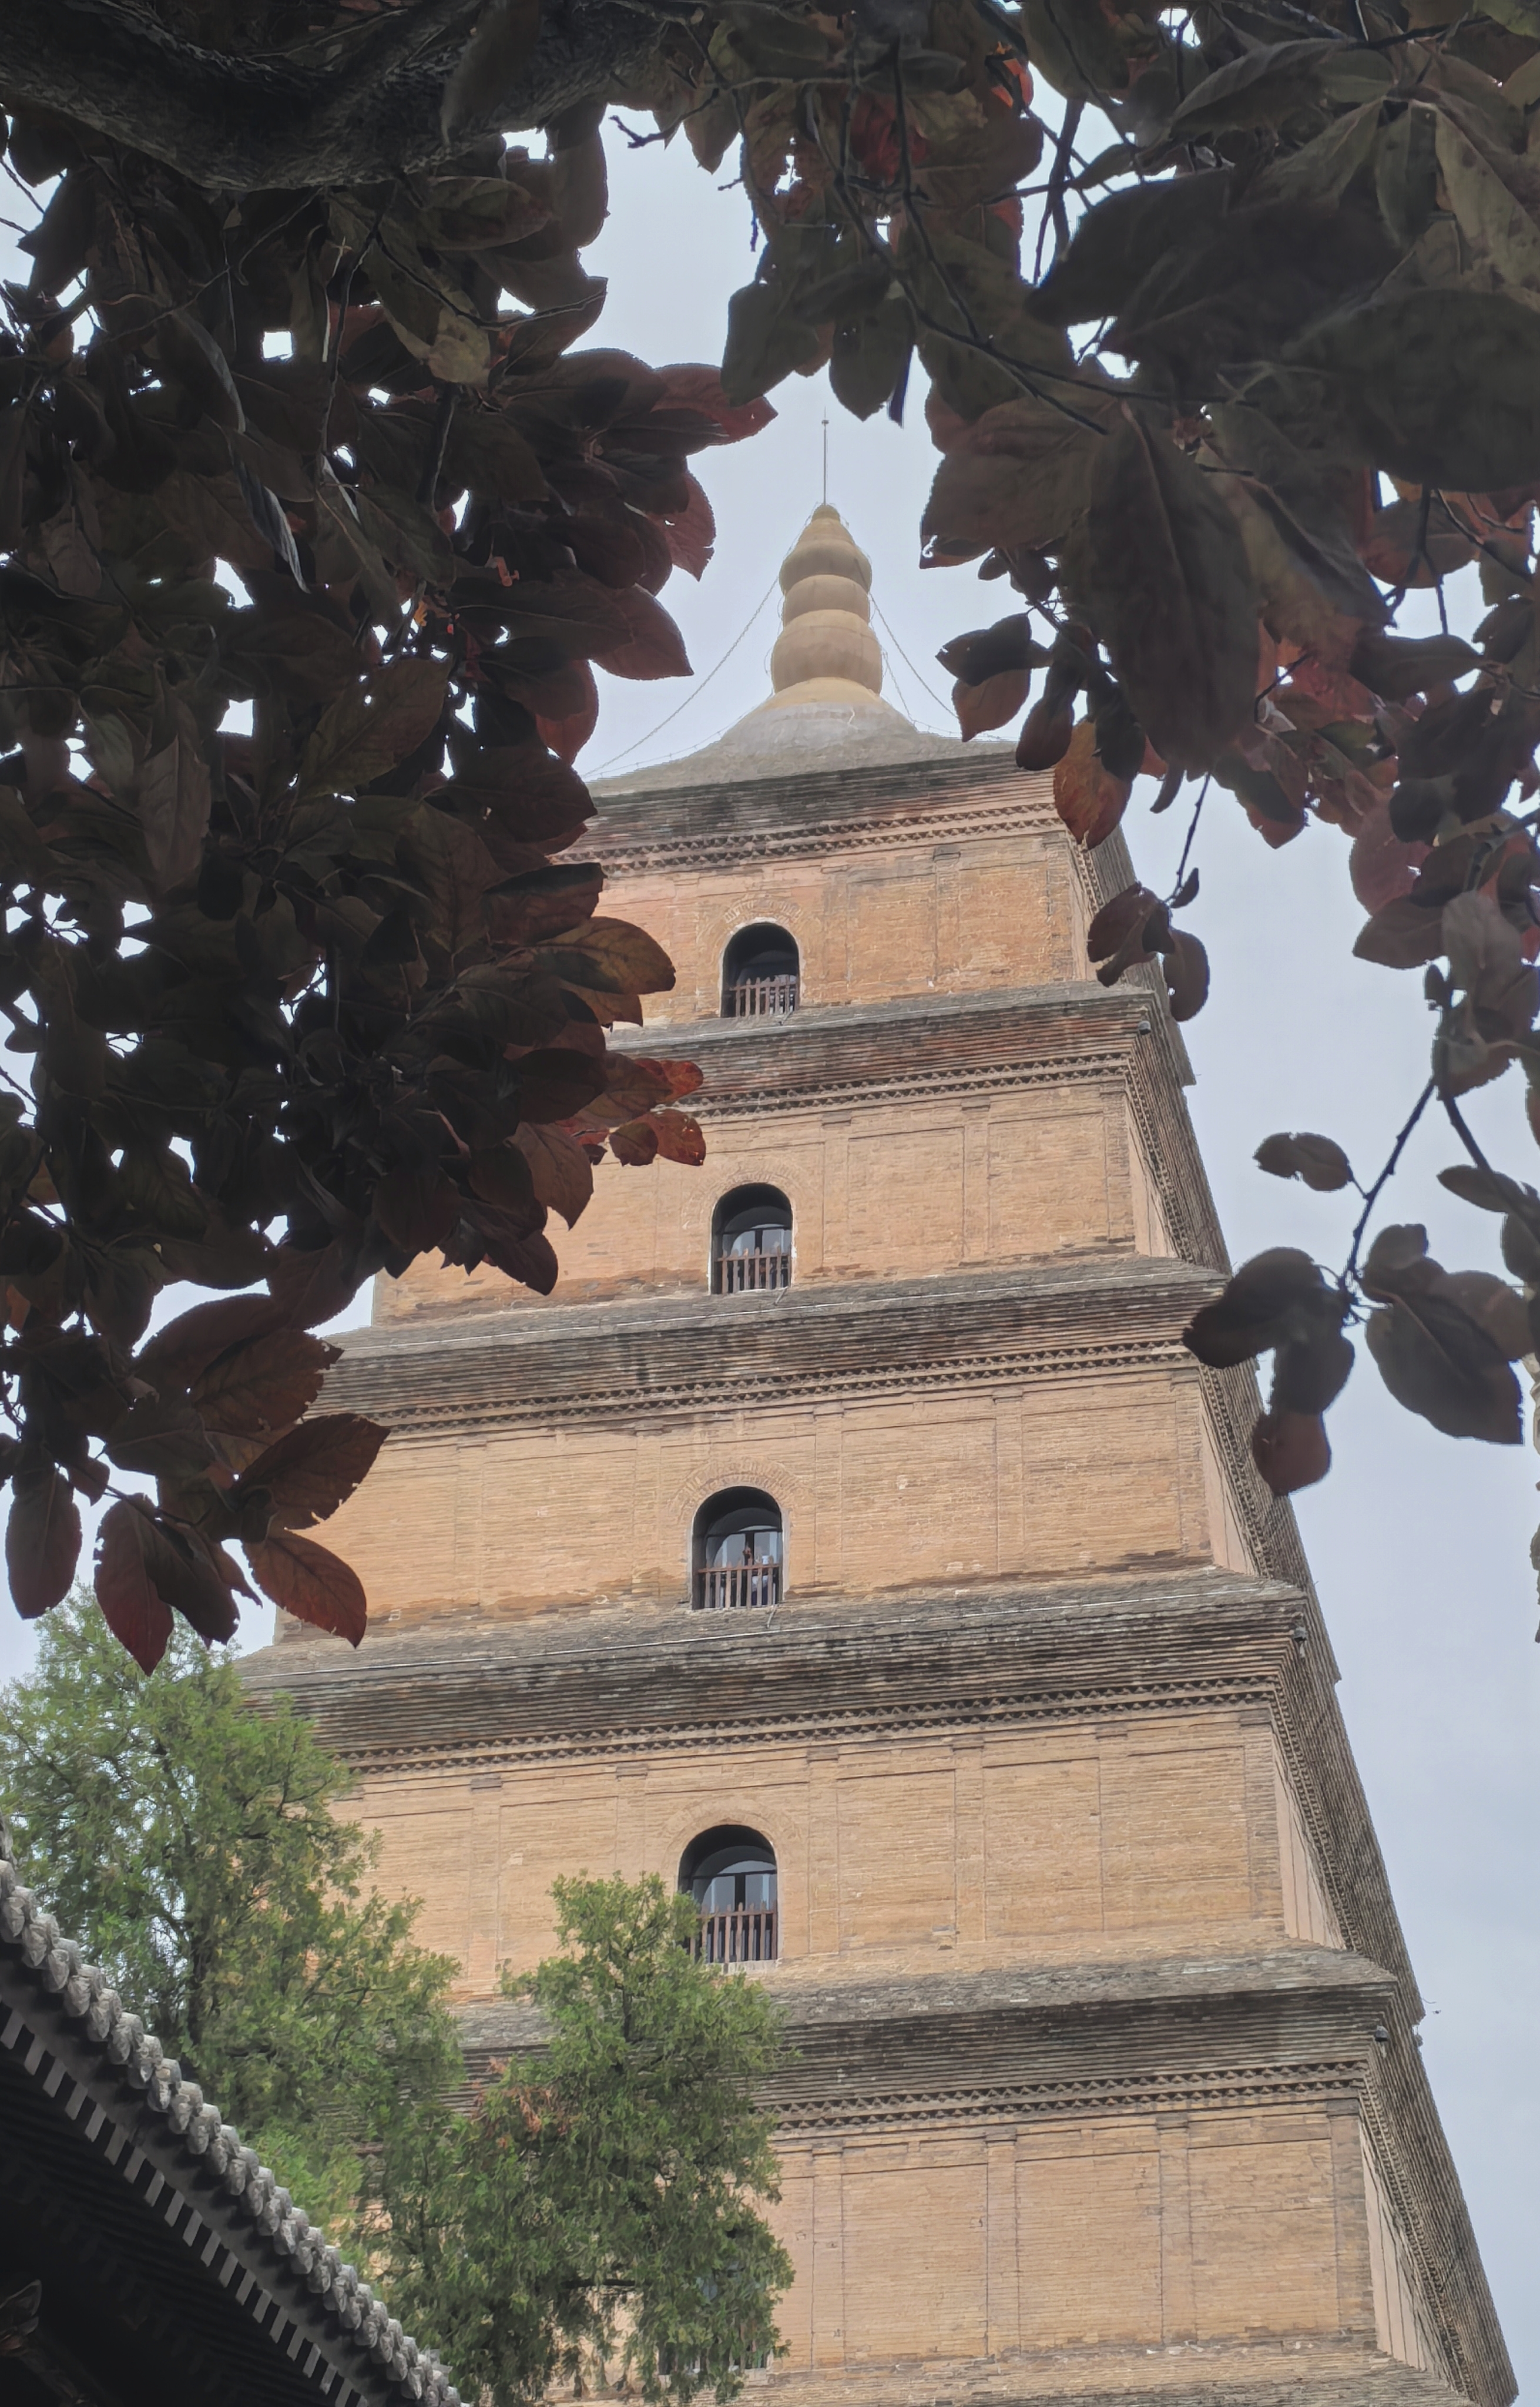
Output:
x=751 y=1241
x=736 y=1551
x=762 y=974
x=731 y=1873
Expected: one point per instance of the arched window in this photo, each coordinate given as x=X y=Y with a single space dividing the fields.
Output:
x=761 y=972
x=737 y=1550
x=731 y=1873
x=750 y=1241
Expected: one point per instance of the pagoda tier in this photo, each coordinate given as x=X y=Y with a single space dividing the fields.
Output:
x=850 y=1539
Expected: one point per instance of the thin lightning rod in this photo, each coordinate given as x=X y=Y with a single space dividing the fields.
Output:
x=826 y=456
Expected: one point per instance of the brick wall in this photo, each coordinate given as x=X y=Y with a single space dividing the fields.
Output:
x=1068 y=1844
x=961 y=916
x=1027 y=1482
x=892 y=1190
x=1104 y=2237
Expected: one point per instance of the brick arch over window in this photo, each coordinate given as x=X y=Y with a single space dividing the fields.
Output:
x=762 y=973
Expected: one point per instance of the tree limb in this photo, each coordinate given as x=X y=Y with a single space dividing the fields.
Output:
x=234 y=123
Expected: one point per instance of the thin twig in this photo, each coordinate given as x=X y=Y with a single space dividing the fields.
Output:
x=1457 y=1121
x=1371 y=1195
x=1058 y=179
x=1191 y=832
x=433 y=467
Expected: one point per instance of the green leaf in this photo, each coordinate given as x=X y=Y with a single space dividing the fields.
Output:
x=1440 y=387
x=1519 y=15
x=311 y=1583
x=474 y=212
x=1316 y=1160
x=489 y=453
x=433 y=316
x=405 y=534
x=1116 y=244
x=172 y=794
x=766 y=341
x=1497 y=207
x=1406 y=173
x=1019 y=476
x=371 y=726
x=870 y=358
x=1073 y=44
x=1396 y=666
x=1316 y=176
x=1172 y=595
x=1263 y=87
x=772 y=42
x=489 y=66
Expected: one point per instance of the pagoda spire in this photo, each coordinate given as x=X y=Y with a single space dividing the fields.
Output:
x=826 y=650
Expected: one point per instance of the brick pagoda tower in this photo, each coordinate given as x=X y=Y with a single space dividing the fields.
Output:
x=850 y=1539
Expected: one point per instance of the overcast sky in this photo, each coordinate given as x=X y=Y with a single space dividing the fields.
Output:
x=1420 y=1545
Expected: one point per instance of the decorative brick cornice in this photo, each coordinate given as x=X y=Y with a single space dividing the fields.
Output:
x=935 y=1043
x=947 y=800
x=1005 y=2043
x=1240 y=2089
x=622 y=1682
x=612 y=1362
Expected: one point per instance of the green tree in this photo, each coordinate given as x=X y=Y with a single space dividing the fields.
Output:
x=594 y=2213
x=596 y=2204
x=191 y=1845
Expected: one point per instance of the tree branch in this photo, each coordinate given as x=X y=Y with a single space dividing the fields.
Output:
x=234 y=123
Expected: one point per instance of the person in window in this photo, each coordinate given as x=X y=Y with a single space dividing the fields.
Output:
x=741 y=1551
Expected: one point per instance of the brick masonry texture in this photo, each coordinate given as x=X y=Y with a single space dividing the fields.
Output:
x=1106 y=2085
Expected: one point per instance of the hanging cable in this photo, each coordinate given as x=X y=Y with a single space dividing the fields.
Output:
x=944 y=707
x=893 y=676
x=695 y=691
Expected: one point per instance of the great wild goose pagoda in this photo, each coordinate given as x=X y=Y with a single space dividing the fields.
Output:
x=850 y=1540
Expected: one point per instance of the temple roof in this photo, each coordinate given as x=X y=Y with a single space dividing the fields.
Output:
x=826 y=709
x=149 y=2195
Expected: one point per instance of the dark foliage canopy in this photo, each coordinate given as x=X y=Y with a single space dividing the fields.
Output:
x=1231 y=324
x=337 y=972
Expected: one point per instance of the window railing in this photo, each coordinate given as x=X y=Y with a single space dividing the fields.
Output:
x=763 y=997
x=740 y=1273
x=746 y=1935
x=720 y=1587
